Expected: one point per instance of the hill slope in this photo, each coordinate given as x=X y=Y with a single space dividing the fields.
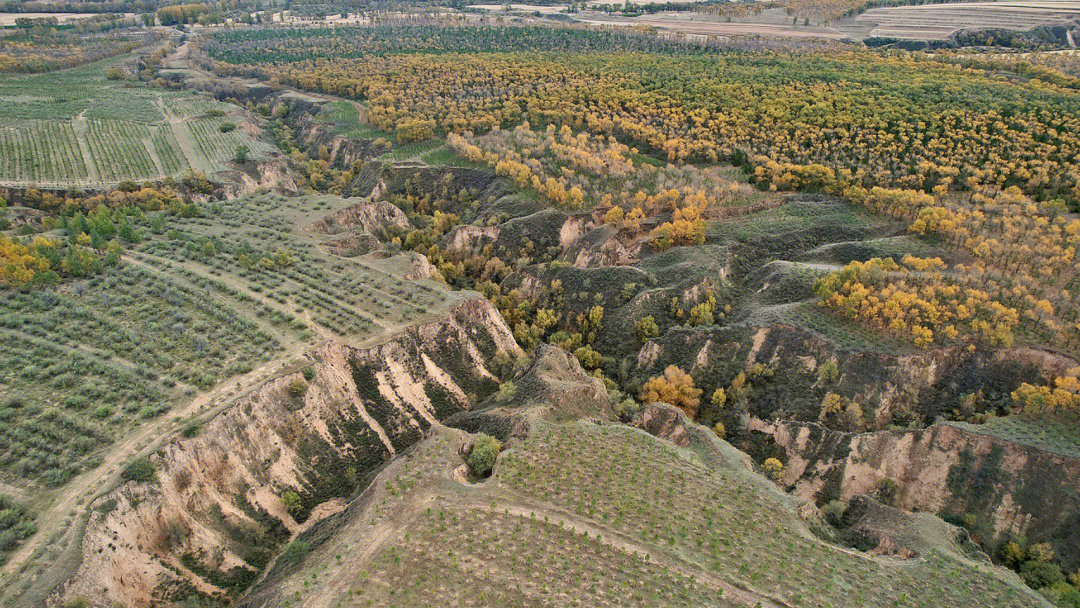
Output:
x=590 y=513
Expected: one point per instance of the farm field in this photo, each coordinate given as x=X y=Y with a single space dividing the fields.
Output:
x=77 y=128
x=262 y=246
x=654 y=525
x=939 y=21
x=817 y=21
x=198 y=301
x=705 y=25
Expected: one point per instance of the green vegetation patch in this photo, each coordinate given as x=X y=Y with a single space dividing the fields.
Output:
x=77 y=127
x=726 y=520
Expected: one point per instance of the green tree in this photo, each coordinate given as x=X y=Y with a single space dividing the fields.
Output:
x=482 y=456
x=647 y=328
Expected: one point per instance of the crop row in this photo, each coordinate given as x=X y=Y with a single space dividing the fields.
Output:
x=40 y=151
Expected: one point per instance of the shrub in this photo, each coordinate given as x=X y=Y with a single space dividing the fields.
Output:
x=589 y=358
x=647 y=328
x=886 y=490
x=905 y=418
x=140 y=470
x=298 y=388
x=173 y=533
x=483 y=454
x=1041 y=574
x=191 y=428
x=296 y=551
x=1011 y=554
x=773 y=468
x=828 y=372
x=292 y=503
x=834 y=512
x=1041 y=552
x=626 y=409
x=507 y=391
x=227 y=127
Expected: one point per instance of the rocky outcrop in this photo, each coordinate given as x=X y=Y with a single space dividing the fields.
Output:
x=599 y=247
x=553 y=387
x=941 y=469
x=272 y=174
x=371 y=217
x=212 y=518
x=470 y=239
x=664 y=421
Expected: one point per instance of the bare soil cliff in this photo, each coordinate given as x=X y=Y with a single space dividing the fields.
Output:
x=213 y=516
x=942 y=469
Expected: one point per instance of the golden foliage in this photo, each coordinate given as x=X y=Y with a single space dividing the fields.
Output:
x=674 y=386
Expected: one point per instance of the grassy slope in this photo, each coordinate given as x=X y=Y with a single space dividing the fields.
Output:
x=592 y=515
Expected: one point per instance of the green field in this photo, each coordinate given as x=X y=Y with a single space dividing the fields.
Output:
x=198 y=300
x=586 y=514
x=77 y=128
x=349 y=298
x=84 y=363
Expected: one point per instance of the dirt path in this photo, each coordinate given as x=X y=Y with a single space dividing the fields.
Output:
x=181 y=135
x=81 y=129
x=149 y=145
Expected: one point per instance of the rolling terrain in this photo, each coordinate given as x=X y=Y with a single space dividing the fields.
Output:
x=518 y=315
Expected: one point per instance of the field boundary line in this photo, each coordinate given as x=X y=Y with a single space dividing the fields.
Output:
x=80 y=127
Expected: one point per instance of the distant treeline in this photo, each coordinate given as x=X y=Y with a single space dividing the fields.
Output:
x=631 y=8
x=126 y=6
x=1041 y=38
x=181 y=13
x=107 y=6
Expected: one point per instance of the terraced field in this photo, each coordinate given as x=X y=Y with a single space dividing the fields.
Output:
x=77 y=128
x=939 y=21
x=84 y=362
x=258 y=246
x=83 y=365
x=581 y=514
